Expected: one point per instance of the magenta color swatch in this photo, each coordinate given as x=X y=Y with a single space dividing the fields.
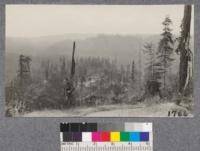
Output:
x=96 y=136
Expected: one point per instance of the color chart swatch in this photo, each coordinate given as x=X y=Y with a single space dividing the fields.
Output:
x=125 y=134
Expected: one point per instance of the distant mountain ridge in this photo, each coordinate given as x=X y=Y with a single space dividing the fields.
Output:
x=87 y=45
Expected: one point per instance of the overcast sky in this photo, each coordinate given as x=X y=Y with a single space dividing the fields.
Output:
x=44 y=20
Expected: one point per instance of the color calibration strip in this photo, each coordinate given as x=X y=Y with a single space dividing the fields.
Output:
x=132 y=136
x=105 y=136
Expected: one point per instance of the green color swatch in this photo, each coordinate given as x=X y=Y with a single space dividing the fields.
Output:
x=124 y=136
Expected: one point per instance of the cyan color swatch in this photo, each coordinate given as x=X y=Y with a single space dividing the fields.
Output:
x=134 y=136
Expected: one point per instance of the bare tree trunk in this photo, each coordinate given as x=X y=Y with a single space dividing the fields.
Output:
x=184 y=49
x=185 y=52
x=70 y=83
x=73 y=61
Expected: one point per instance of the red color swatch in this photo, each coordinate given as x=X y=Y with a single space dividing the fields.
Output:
x=105 y=136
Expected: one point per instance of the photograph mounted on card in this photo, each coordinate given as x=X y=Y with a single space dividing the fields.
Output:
x=99 y=60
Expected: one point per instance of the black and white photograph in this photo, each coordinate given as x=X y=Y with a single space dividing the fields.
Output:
x=99 y=61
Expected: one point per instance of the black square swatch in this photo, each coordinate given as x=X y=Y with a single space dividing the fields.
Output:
x=67 y=136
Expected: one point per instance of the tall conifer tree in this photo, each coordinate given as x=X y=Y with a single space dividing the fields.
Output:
x=165 y=50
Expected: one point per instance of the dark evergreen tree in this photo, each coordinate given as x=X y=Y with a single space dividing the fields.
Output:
x=149 y=50
x=152 y=71
x=63 y=72
x=128 y=72
x=165 y=50
x=133 y=71
x=46 y=68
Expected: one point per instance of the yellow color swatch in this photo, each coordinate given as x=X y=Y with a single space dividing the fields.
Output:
x=115 y=136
